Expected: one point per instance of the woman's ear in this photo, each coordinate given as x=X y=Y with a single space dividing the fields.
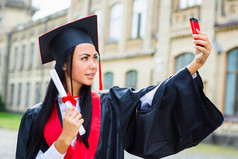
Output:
x=64 y=68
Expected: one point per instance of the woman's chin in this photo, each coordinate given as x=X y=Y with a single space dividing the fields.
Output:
x=88 y=83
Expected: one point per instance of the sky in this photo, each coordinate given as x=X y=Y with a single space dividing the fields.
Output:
x=48 y=7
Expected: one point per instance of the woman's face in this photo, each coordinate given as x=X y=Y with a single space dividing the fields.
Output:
x=84 y=65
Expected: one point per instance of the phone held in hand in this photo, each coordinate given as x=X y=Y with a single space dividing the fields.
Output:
x=194 y=25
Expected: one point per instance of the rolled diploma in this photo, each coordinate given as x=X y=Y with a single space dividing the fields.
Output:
x=62 y=92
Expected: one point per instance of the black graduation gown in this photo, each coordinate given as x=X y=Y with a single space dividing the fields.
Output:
x=181 y=116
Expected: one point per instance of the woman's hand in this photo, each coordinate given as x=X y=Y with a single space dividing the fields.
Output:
x=71 y=124
x=202 y=52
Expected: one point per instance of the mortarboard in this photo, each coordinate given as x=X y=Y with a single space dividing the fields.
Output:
x=55 y=42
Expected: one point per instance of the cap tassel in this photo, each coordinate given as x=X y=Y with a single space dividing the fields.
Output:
x=100 y=74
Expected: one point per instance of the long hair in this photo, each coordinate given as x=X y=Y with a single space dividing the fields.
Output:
x=36 y=135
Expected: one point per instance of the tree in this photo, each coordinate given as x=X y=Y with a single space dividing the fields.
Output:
x=2 y=104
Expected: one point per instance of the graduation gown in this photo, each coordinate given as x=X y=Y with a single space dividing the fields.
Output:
x=180 y=116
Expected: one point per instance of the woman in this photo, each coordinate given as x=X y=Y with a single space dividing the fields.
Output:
x=154 y=122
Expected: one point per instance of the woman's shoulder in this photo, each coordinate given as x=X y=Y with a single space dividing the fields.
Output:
x=124 y=93
x=107 y=92
x=29 y=116
x=32 y=111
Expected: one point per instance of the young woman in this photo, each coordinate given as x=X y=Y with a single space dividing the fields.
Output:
x=153 y=122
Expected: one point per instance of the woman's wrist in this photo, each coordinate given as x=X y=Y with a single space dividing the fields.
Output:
x=193 y=67
x=62 y=144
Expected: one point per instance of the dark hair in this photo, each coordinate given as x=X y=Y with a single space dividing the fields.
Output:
x=36 y=135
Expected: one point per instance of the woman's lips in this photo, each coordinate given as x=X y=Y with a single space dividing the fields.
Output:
x=90 y=75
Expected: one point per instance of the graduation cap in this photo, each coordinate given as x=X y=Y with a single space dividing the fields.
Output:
x=57 y=41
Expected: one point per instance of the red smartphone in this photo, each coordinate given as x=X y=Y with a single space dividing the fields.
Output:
x=194 y=25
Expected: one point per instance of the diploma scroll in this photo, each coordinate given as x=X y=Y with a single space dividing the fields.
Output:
x=62 y=92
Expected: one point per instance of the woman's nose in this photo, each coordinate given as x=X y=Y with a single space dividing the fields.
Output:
x=93 y=63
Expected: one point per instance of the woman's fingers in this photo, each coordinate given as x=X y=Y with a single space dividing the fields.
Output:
x=80 y=122
x=74 y=114
x=79 y=116
x=202 y=40
x=202 y=37
x=69 y=110
x=201 y=43
x=202 y=47
x=73 y=117
x=200 y=32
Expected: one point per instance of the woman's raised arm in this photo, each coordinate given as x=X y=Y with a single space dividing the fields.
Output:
x=202 y=52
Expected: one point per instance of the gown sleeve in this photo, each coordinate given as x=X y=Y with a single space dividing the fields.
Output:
x=181 y=116
x=24 y=131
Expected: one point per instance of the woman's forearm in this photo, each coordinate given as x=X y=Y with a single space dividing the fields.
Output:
x=193 y=67
x=62 y=144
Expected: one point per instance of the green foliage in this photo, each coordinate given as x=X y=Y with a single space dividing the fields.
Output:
x=10 y=120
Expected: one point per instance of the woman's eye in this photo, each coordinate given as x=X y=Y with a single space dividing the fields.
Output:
x=84 y=58
x=96 y=58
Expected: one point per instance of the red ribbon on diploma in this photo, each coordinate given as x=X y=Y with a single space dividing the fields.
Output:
x=69 y=98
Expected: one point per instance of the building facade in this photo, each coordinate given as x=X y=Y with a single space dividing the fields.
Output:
x=12 y=13
x=142 y=42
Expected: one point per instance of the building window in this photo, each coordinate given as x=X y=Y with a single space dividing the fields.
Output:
x=23 y=56
x=15 y=59
x=38 y=92
x=19 y=94
x=28 y=89
x=12 y=94
x=108 y=80
x=188 y=3
x=32 y=54
x=131 y=79
x=115 y=23
x=231 y=97
x=138 y=19
x=183 y=60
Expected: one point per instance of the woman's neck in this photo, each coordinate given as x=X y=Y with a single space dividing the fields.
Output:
x=76 y=87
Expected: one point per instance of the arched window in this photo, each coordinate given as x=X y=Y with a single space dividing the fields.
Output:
x=32 y=56
x=108 y=80
x=15 y=64
x=131 y=79
x=138 y=18
x=115 y=23
x=23 y=56
x=19 y=94
x=231 y=101
x=183 y=60
x=28 y=90
x=38 y=92
x=12 y=94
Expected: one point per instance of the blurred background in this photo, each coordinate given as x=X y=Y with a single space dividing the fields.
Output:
x=142 y=42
